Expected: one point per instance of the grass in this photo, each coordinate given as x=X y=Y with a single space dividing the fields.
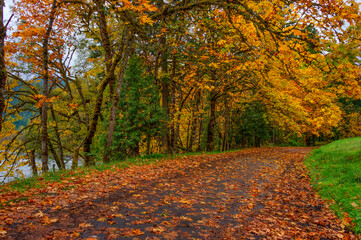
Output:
x=41 y=181
x=335 y=170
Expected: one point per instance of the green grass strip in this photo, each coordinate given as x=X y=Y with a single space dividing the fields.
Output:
x=335 y=170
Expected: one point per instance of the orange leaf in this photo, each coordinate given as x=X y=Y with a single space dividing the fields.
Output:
x=85 y=225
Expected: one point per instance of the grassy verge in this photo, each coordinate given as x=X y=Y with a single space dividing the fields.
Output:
x=41 y=181
x=336 y=173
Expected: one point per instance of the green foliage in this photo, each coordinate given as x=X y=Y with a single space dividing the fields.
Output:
x=141 y=117
x=294 y=142
x=26 y=115
x=254 y=127
x=336 y=172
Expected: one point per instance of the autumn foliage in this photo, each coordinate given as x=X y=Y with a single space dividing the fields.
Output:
x=216 y=75
x=92 y=81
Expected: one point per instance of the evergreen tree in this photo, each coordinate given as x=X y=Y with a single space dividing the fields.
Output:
x=141 y=116
x=253 y=128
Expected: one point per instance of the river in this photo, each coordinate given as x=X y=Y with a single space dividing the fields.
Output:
x=25 y=171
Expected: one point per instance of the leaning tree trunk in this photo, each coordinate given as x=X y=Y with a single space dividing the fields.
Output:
x=114 y=107
x=109 y=78
x=88 y=160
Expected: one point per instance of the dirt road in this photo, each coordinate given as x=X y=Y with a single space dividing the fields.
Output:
x=251 y=194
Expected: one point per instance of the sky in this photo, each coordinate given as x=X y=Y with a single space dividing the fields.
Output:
x=8 y=4
x=7 y=11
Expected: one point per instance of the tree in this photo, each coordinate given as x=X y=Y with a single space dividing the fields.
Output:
x=141 y=116
x=2 y=63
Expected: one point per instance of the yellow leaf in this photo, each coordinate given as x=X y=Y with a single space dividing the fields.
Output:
x=39 y=214
x=2 y=231
x=102 y=219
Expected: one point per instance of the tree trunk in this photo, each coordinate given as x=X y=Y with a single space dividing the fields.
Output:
x=114 y=108
x=2 y=64
x=88 y=160
x=134 y=151
x=226 y=126
x=257 y=141
x=212 y=123
x=189 y=128
x=310 y=140
x=60 y=164
x=110 y=67
x=166 y=141
x=74 y=164
x=44 y=108
x=148 y=143
x=33 y=163
x=165 y=102
x=199 y=148
x=57 y=134
x=195 y=116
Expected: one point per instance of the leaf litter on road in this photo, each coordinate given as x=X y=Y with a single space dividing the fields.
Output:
x=260 y=193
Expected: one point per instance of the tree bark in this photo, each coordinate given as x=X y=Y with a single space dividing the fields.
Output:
x=88 y=160
x=2 y=64
x=149 y=139
x=58 y=138
x=44 y=108
x=60 y=164
x=195 y=115
x=33 y=163
x=114 y=108
x=110 y=66
x=199 y=147
x=226 y=126
x=212 y=123
x=165 y=94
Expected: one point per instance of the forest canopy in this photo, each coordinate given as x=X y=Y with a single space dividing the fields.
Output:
x=100 y=80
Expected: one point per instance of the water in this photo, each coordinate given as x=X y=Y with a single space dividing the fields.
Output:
x=22 y=170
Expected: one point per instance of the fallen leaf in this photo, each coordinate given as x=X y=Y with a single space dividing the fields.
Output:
x=158 y=230
x=85 y=225
x=354 y=205
x=101 y=219
x=2 y=231
x=137 y=232
x=39 y=214
x=9 y=221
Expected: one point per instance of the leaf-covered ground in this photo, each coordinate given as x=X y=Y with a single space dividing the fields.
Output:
x=252 y=194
